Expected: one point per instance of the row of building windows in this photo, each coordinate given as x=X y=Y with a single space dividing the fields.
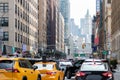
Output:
x=25 y=16
x=25 y=28
x=24 y=4
x=21 y=13
x=27 y=7
x=5 y=36
x=21 y=26
x=4 y=22
x=22 y=39
x=4 y=7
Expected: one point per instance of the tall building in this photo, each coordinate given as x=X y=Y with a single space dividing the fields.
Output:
x=19 y=22
x=115 y=29
x=86 y=29
x=54 y=28
x=107 y=24
x=64 y=8
x=61 y=33
x=42 y=24
x=73 y=28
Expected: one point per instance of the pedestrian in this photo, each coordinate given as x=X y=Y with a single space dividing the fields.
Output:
x=18 y=54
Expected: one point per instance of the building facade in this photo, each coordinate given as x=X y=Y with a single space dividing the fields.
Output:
x=19 y=22
x=115 y=33
x=106 y=11
x=64 y=8
x=86 y=29
x=42 y=21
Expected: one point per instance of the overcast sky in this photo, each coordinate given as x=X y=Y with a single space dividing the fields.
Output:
x=78 y=9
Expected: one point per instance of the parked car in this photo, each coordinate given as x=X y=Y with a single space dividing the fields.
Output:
x=70 y=70
x=50 y=70
x=94 y=71
x=17 y=69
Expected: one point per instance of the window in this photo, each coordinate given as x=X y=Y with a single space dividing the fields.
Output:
x=16 y=37
x=16 y=9
x=45 y=66
x=3 y=21
x=6 y=64
x=5 y=36
x=16 y=23
x=4 y=7
x=25 y=64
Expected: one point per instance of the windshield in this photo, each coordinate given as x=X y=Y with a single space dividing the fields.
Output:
x=94 y=67
x=44 y=66
x=6 y=64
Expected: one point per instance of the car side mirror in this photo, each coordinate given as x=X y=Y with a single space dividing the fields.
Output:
x=35 y=67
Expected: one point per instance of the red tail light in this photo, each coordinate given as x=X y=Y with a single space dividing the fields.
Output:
x=80 y=74
x=107 y=74
x=51 y=73
x=11 y=70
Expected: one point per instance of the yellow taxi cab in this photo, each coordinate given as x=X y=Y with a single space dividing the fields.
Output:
x=50 y=70
x=17 y=69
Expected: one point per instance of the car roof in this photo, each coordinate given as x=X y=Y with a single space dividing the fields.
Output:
x=11 y=58
x=92 y=60
x=48 y=62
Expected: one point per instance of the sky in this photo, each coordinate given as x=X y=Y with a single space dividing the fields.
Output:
x=78 y=9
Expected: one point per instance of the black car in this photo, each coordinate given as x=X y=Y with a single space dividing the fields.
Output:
x=94 y=71
x=70 y=70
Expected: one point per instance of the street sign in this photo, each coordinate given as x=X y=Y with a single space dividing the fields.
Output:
x=82 y=55
x=105 y=52
x=76 y=54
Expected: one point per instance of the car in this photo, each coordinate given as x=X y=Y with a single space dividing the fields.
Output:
x=94 y=71
x=50 y=70
x=64 y=64
x=16 y=68
x=70 y=70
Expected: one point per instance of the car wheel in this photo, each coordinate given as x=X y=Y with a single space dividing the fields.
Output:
x=58 y=78
x=39 y=77
x=68 y=74
x=24 y=78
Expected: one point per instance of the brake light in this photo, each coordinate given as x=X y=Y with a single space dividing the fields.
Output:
x=51 y=73
x=107 y=74
x=12 y=70
x=80 y=74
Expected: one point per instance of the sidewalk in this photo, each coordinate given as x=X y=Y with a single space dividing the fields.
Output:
x=118 y=68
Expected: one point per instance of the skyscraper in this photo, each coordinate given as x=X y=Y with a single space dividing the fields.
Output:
x=86 y=27
x=64 y=7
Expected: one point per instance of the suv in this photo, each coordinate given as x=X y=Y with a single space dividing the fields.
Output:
x=94 y=70
x=70 y=70
x=17 y=69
